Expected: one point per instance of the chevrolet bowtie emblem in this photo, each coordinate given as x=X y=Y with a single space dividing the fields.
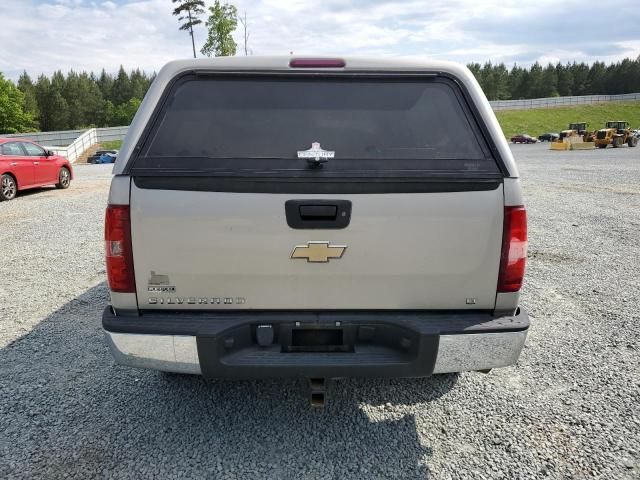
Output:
x=318 y=252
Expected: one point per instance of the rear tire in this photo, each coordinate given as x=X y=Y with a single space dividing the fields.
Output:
x=602 y=145
x=632 y=141
x=8 y=187
x=64 y=178
x=616 y=142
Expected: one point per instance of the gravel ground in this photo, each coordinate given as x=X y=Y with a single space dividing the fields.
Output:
x=569 y=409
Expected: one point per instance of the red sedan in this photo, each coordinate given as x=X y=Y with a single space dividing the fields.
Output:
x=523 y=138
x=24 y=164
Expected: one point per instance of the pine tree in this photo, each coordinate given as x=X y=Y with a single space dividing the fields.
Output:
x=580 y=73
x=92 y=99
x=28 y=89
x=105 y=84
x=565 y=80
x=549 y=82
x=596 y=79
x=58 y=107
x=188 y=12
x=121 y=90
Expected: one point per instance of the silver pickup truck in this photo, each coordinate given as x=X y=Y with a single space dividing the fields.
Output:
x=315 y=217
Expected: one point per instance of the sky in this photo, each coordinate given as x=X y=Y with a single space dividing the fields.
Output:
x=41 y=36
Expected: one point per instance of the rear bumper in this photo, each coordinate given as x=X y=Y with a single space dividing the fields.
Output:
x=374 y=344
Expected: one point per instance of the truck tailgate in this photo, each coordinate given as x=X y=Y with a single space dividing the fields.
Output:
x=204 y=250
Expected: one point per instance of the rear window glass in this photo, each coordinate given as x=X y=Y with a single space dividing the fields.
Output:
x=364 y=123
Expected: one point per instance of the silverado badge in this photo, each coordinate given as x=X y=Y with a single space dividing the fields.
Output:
x=318 y=252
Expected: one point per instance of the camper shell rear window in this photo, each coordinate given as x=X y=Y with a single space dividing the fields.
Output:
x=371 y=127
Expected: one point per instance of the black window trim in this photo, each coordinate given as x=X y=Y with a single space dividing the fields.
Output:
x=475 y=117
x=325 y=186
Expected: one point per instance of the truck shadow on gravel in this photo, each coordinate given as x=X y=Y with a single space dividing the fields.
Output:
x=66 y=408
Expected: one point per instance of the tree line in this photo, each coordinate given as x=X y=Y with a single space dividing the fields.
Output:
x=71 y=101
x=82 y=100
x=500 y=83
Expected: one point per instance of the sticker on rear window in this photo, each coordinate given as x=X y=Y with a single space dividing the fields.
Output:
x=316 y=152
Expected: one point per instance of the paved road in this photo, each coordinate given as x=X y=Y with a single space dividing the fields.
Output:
x=570 y=408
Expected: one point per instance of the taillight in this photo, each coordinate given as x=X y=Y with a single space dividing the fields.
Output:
x=514 y=249
x=119 y=255
x=317 y=63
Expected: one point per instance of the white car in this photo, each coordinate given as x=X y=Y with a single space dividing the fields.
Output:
x=318 y=218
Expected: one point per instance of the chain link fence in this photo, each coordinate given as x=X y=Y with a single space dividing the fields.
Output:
x=561 y=101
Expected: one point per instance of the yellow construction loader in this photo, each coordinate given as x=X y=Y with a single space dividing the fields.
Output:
x=576 y=137
x=578 y=129
x=616 y=134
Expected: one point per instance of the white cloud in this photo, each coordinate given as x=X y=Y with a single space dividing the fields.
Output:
x=71 y=34
x=46 y=35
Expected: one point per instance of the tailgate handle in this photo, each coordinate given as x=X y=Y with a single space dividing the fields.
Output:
x=329 y=214
x=318 y=212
